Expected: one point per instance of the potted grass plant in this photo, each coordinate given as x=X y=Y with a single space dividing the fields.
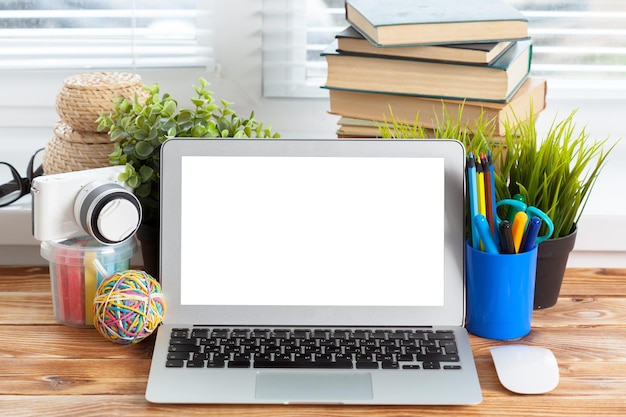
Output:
x=477 y=137
x=139 y=127
x=555 y=174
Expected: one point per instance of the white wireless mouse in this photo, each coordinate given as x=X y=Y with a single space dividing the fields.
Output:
x=526 y=369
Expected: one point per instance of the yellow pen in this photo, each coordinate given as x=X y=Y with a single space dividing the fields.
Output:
x=518 y=228
x=480 y=185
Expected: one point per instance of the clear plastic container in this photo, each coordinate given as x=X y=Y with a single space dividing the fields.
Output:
x=75 y=277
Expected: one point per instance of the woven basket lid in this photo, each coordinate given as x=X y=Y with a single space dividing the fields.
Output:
x=102 y=81
x=84 y=96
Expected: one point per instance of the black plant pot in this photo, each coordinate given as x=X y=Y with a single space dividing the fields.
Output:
x=552 y=256
x=149 y=237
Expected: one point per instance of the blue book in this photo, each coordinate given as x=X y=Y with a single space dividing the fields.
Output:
x=431 y=22
x=496 y=82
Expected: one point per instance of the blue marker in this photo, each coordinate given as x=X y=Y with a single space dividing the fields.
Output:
x=473 y=198
x=482 y=225
x=492 y=221
x=530 y=237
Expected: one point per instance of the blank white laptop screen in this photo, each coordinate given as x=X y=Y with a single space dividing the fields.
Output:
x=312 y=231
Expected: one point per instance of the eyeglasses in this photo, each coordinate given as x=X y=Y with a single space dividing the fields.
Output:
x=12 y=185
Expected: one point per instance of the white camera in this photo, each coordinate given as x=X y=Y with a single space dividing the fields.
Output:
x=91 y=202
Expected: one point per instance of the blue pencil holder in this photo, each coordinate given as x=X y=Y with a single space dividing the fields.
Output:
x=500 y=293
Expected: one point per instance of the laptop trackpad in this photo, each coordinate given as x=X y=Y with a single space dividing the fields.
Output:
x=313 y=386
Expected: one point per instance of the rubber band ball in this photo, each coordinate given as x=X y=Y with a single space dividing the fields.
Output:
x=128 y=307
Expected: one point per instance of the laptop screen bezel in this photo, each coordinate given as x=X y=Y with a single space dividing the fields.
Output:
x=451 y=313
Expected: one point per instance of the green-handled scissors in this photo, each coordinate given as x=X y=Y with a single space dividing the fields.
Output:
x=531 y=211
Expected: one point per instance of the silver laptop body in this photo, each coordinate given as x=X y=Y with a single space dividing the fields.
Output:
x=360 y=238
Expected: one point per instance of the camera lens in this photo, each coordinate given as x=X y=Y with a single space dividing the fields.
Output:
x=107 y=211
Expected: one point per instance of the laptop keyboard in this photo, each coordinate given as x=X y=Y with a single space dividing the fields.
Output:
x=411 y=349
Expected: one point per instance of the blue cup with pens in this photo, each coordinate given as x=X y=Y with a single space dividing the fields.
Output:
x=500 y=293
x=501 y=257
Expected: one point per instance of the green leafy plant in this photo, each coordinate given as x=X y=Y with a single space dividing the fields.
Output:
x=477 y=137
x=138 y=129
x=555 y=174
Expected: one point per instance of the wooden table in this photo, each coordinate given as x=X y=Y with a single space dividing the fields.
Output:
x=50 y=369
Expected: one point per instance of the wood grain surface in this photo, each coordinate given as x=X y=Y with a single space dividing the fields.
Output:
x=47 y=369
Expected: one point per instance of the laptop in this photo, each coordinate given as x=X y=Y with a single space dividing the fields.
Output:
x=312 y=271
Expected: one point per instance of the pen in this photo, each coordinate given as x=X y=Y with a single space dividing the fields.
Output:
x=530 y=237
x=506 y=237
x=473 y=198
x=480 y=186
x=485 y=234
x=519 y=225
x=491 y=203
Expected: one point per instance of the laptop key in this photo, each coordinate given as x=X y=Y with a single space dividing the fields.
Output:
x=300 y=334
x=323 y=364
x=438 y=358
x=184 y=348
x=179 y=333
x=449 y=346
x=263 y=363
x=197 y=363
x=175 y=363
x=219 y=333
x=201 y=333
x=431 y=350
x=216 y=363
x=441 y=335
x=366 y=365
x=431 y=365
x=239 y=364
x=339 y=364
x=178 y=355
x=390 y=365
x=181 y=341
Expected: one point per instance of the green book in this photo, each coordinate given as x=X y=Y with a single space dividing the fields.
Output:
x=431 y=22
x=497 y=81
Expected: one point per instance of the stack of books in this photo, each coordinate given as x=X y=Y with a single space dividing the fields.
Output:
x=425 y=60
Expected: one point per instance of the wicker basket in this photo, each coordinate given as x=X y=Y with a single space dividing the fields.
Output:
x=84 y=96
x=65 y=132
x=71 y=150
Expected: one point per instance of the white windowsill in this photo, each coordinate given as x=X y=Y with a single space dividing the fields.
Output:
x=597 y=243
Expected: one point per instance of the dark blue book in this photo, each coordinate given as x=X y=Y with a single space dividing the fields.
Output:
x=351 y=40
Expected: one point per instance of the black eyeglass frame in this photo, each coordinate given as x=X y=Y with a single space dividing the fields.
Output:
x=20 y=183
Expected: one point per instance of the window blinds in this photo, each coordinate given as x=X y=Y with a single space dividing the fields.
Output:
x=295 y=32
x=50 y=34
x=576 y=43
